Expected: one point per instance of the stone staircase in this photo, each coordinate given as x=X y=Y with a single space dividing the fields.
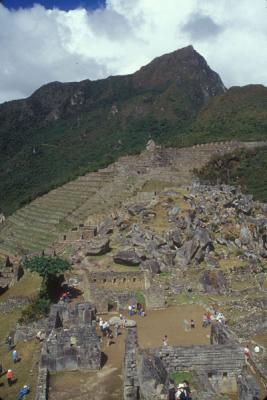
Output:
x=37 y=225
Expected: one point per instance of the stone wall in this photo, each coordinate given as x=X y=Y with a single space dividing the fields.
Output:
x=218 y=365
x=42 y=384
x=252 y=324
x=13 y=303
x=10 y=273
x=72 y=342
x=221 y=335
x=213 y=360
x=62 y=314
x=29 y=331
x=70 y=349
x=117 y=280
x=78 y=234
x=105 y=298
x=130 y=378
x=248 y=388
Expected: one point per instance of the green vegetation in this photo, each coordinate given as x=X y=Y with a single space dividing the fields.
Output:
x=25 y=371
x=140 y=298
x=47 y=267
x=29 y=353
x=180 y=377
x=245 y=168
x=51 y=270
x=65 y=130
x=36 y=310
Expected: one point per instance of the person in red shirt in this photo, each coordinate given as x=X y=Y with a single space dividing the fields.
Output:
x=9 y=376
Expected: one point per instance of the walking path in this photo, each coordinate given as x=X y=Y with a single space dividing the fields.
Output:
x=107 y=383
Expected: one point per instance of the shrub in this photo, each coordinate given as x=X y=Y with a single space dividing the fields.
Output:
x=35 y=311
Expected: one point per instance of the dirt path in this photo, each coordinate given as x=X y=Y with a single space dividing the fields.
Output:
x=107 y=383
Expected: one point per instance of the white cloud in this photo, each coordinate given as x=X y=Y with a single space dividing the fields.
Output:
x=38 y=45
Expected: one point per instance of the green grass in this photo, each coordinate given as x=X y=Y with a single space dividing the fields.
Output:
x=179 y=377
x=189 y=298
x=27 y=286
x=27 y=369
x=140 y=298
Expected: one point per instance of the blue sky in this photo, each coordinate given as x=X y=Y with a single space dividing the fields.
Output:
x=61 y=4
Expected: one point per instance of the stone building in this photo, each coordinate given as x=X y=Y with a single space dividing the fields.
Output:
x=76 y=234
x=72 y=342
x=218 y=368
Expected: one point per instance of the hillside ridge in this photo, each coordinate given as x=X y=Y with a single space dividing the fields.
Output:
x=65 y=130
x=38 y=225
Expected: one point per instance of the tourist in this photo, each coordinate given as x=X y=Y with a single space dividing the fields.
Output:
x=116 y=331
x=179 y=392
x=65 y=297
x=9 y=342
x=10 y=377
x=192 y=324
x=165 y=340
x=105 y=326
x=14 y=356
x=247 y=353
x=101 y=322
x=257 y=349
x=139 y=309
x=209 y=317
x=183 y=391
x=23 y=392
x=40 y=336
x=130 y=310
x=143 y=314
x=123 y=322
x=205 y=321
x=187 y=389
x=109 y=337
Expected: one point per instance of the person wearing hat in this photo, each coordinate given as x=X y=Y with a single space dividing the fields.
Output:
x=14 y=356
x=23 y=392
x=182 y=393
x=9 y=376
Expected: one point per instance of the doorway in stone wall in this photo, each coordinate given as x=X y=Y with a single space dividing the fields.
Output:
x=112 y=306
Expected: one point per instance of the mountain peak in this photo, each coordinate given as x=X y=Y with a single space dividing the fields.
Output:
x=180 y=66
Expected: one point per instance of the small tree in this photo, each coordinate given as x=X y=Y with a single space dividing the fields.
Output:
x=51 y=269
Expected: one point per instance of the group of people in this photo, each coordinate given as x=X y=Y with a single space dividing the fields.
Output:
x=181 y=392
x=107 y=331
x=136 y=310
x=208 y=317
x=65 y=298
x=9 y=373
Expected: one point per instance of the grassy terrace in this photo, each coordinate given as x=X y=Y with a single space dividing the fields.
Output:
x=26 y=370
x=36 y=226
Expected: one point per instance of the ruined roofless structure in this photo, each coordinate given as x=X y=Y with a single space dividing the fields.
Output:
x=218 y=368
x=72 y=342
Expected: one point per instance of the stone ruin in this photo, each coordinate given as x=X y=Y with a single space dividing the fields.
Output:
x=217 y=368
x=71 y=343
x=11 y=272
x=78 y=233
x=113 y=289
